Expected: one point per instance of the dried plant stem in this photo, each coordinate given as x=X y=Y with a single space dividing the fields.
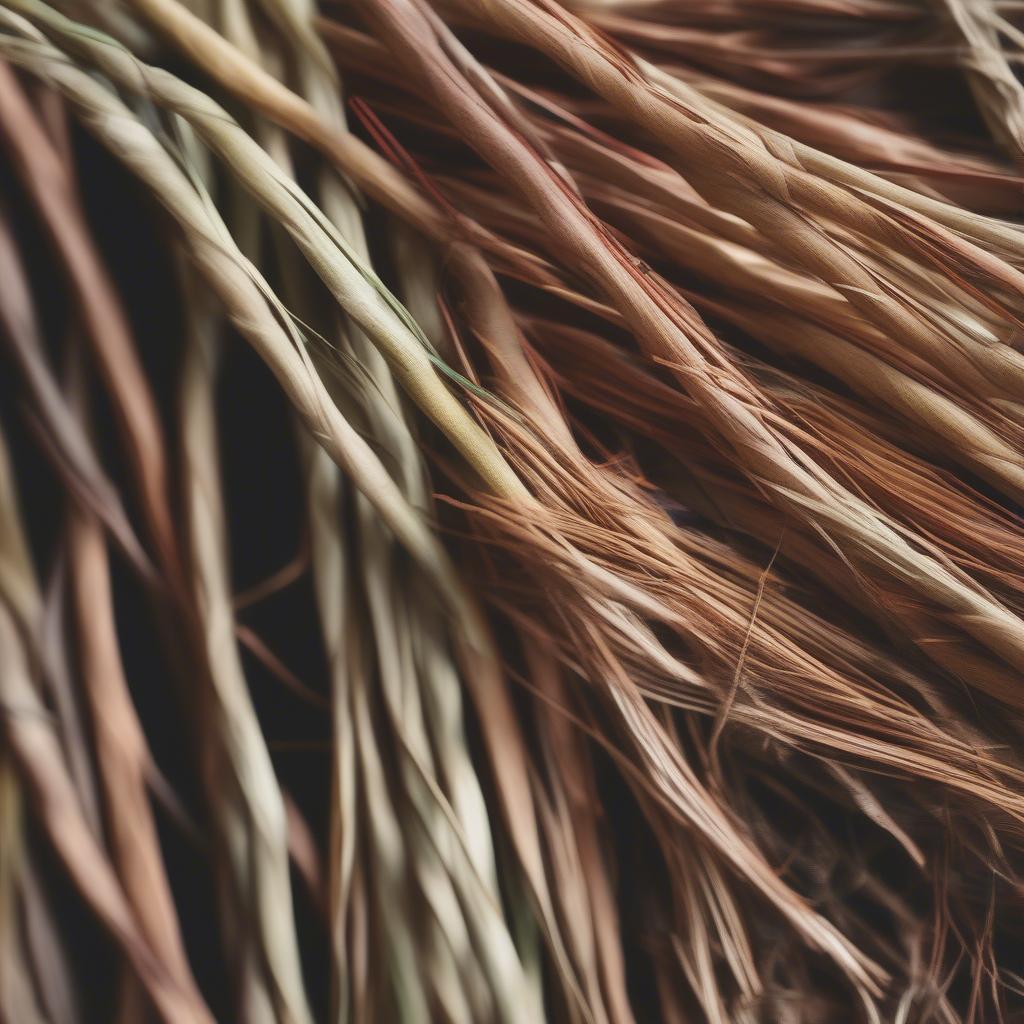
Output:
x=241 y=776
x=240 y=288
x=352 y=283
x=726 y=161
x=665 y=542
x=61 y=436
x=418 y=665
x=997 y=90
x=970 y=437
x=415 y=667
x=672 y=331
x=29 y=946
x=121 y=752
x=323 y=494
x=37 y=753
x=45 y=177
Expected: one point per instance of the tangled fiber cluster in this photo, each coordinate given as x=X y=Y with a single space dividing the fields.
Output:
x=510 y=511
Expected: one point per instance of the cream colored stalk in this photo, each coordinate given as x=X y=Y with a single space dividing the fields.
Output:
x=352 y=283
x=239 y=285
x=447 y=930
x=396 y=617
x=997 y=90
x=241 y=776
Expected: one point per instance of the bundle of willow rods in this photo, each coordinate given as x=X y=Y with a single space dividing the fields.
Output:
x=510 y=510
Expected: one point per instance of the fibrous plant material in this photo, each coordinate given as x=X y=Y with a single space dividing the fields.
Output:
x=511 y=510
